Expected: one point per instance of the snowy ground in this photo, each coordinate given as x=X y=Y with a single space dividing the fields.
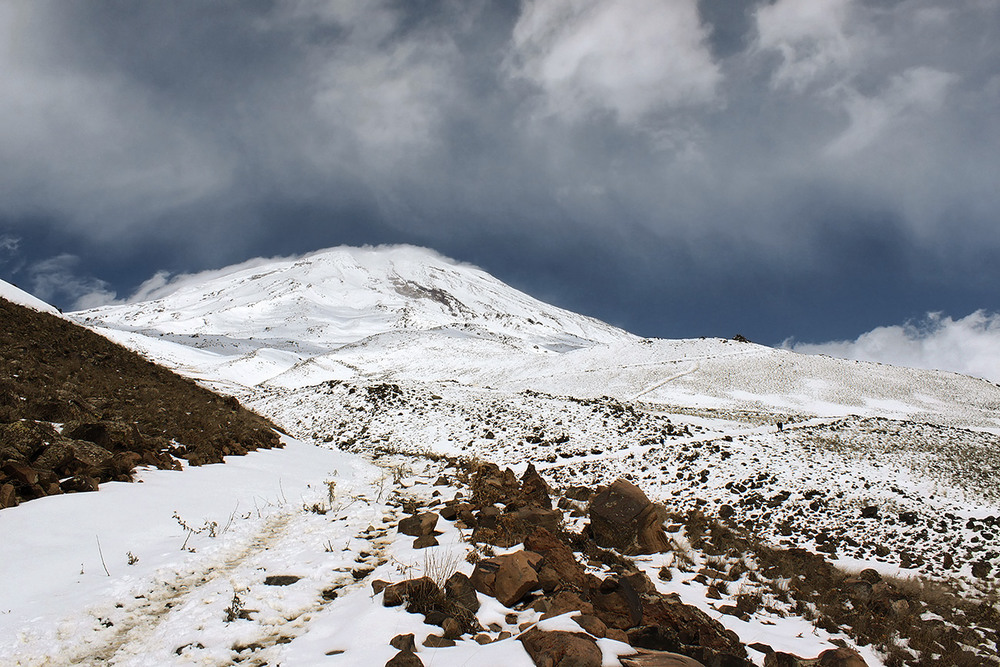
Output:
x=173 y=571
x=390 y=357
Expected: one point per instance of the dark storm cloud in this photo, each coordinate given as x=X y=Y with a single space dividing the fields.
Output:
x=678 y=168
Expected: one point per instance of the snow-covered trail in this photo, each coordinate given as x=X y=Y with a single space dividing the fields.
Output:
x=161 y=604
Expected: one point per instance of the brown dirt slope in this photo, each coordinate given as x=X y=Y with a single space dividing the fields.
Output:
x=117 y=410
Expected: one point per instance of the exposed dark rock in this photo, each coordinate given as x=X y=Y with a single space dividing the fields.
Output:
x=507 y=578
x=459 y=589
x=622 y=517
x=647 y=658
x=405 y=659
x=404 y=642
x=425 y=541
x=835 y=657
x=570 y=649
x=419 y=524
x=437 y=641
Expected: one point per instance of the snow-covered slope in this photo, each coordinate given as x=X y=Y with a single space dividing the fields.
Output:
x=398 y=357
x=343 y=295
x=22 y=298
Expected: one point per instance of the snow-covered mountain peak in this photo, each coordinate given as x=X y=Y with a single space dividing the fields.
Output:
x=343 y=295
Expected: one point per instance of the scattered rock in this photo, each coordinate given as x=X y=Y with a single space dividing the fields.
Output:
x=419 y=594
x=281 y=580
x=592 y=624
x=835 y=657
x=437 y=641
x=8 y=497
x=617 y=603
x=425 y=541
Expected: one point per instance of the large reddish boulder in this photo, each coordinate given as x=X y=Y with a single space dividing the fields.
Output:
x=507 y=578
x=551 y=649
x=622 y=517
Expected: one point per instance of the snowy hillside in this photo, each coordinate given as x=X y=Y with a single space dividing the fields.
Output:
x=22 y=298
x=400 y=358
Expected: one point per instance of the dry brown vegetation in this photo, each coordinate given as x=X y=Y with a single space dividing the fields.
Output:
x=109 y=400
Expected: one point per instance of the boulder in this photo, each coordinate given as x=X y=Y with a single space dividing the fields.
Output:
x=857 y=589
x=459 y=590
x=21 y=440
x=617 y=603
x=110 y=435
x=73 y=457
x=622 y=517
x=646 y=658
x=20 y=473
x=405 y=659
x=532 y=516
x=534 y=489
x=834 y=657
x=491 y=485
x=78 y=484
x=592 y=625
x=419 y=525
x=670 y=625
x=566 y=601
x=425 y=541
x=437 y=641
x=8 y=498
x=404 y=642
x=507 y=578
x=559 y=558
x=550 y=649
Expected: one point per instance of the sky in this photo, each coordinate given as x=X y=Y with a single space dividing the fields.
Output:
x=795 y=172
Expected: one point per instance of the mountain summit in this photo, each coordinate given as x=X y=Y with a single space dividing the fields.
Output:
x=343 y=295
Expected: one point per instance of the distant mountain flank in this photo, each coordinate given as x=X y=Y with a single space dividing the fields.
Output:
x=77 y=410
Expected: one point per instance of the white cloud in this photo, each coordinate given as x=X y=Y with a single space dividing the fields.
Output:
x=916 y=91
x=56 y=280
x=970 y=345
x=813 y=38
x=629 y=57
